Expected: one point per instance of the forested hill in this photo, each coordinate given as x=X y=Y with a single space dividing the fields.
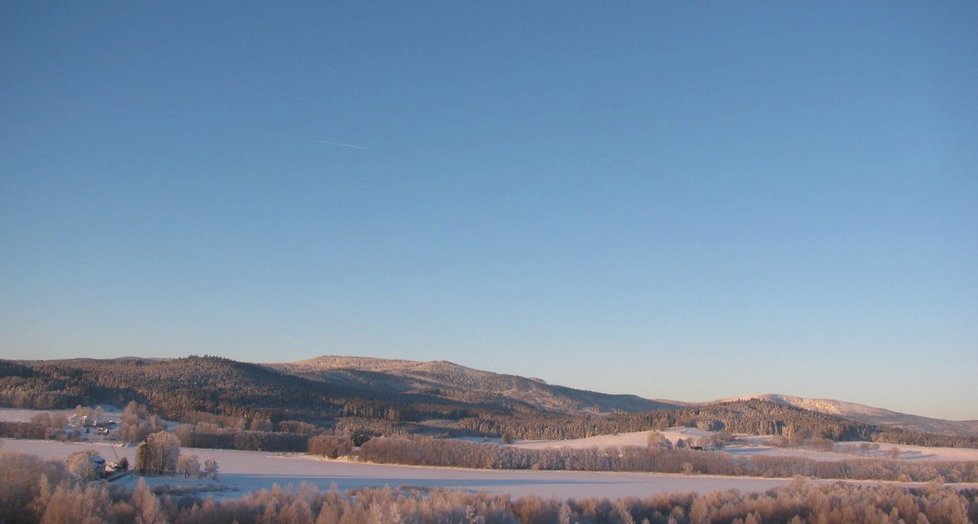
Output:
x=375 y=396
x=176 y=388
x=873 y=416
x=755 y=417
x=466 y=385
x=396 y=391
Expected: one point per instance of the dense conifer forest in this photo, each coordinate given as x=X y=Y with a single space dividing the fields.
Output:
x=225 y=403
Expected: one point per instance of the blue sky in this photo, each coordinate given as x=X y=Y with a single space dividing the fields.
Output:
x=678 y=200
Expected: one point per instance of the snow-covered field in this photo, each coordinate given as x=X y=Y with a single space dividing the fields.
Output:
x=24 y=415
x=638 y=438
x=751 y=444
x=760 y=445
x=245 y=471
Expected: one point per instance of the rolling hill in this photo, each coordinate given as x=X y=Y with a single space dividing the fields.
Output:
x=459 y=383
x=872 y=415
x=382 y=396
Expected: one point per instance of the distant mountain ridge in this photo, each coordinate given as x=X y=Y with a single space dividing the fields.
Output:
x=870 y=415
x=438 y=397
x=450 y=380
x=484 y=387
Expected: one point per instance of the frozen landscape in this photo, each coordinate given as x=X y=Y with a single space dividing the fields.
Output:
x=761 y=445
x=497 y=262
x=242 y=472
x=245 y=471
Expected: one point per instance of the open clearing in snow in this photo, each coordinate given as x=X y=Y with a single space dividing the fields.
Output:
x=761 y=445
x=245 y=471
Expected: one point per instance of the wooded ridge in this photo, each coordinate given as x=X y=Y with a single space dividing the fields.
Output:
x=382 y=397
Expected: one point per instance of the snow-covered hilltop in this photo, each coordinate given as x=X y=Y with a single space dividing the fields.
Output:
x=869 y=414
x=452 y=380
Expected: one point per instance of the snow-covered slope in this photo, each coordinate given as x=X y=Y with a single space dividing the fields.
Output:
x=450 y=380
x=871 y=415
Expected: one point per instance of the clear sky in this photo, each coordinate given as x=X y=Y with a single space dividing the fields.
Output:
x=679 y=200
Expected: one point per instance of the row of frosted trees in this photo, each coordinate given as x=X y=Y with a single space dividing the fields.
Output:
x=455 y=453
x=36 y=490
x=160 y=454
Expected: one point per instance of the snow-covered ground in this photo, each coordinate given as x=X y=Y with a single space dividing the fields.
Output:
x=24 y=415
x=750 y=444
x=108 y=413
x=245 y=471
x=638 y=438
x=760 y=445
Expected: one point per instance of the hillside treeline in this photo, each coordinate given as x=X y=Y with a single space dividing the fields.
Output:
x=222 y=399
x=178 y=388
x=454 y=453
x=34 y=490
x=911 y=438
x=755 y=417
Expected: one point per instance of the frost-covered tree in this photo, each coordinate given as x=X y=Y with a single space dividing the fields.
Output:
x=136 y=422
x=657 y=440
x=88 y=416
x=210 y=468
x=82 y=466
x=146 y=506
x=188 y=465
x=329 y=446
x=82 y=503
x=260 y=424
x=158 y=454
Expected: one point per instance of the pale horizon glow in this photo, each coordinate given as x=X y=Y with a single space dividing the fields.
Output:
x=687 y=201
